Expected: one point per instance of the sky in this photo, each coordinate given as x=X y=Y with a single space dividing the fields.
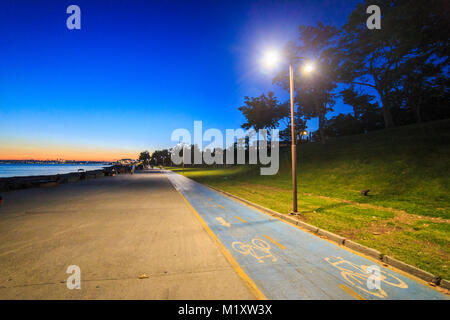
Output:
x=137 y=70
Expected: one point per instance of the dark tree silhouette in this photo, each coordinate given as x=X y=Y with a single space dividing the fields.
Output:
x=381 y=59
x=145 y=157
x=263 y=112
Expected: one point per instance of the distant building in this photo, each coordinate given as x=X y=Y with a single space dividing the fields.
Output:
x=126 y=161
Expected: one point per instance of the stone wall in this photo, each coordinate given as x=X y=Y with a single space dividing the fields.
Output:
x=15 y=183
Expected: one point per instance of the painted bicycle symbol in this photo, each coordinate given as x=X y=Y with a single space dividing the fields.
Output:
x=258 y=249
x=359 y=275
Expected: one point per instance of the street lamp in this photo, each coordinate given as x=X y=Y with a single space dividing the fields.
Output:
x=271 y=58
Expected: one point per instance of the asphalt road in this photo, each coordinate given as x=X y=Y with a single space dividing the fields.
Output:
x=115 y=229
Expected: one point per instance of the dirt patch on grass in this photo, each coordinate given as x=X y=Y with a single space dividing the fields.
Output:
x=410 y=219
x=399 y=214
x=380 y=228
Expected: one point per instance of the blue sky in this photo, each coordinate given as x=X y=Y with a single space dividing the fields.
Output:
x=137 y=70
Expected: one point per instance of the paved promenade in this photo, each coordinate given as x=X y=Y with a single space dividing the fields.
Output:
x=159 y=235
x=115 y=229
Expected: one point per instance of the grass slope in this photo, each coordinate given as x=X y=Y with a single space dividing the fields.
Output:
x=406 y=214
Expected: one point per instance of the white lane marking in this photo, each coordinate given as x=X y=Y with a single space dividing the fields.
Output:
x=223 y=222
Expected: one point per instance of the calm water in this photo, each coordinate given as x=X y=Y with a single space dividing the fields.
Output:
x=16 y=170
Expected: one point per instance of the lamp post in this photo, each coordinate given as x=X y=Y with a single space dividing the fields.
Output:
x=293 y=145
x=271 y=59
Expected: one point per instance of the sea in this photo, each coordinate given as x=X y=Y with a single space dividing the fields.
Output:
x=37 y=169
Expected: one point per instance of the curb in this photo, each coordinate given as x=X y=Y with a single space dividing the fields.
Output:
x=445 y=284
x=363 y=249
x=411 y=270
x=334 y=237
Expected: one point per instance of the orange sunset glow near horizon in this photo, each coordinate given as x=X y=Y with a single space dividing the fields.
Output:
x=77 y=155
x=11 y=150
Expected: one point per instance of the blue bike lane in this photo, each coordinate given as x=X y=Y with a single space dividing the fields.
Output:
x=286 y=262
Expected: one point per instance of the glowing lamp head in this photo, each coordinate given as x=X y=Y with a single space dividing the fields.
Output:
x=308 y=68
x=271 y=59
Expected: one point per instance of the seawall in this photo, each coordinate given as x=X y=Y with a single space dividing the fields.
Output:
x=42 y=181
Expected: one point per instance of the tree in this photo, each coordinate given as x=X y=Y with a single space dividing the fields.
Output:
x=437 y=100
x=420 y=81
x=379 y=59
x=315 y=94
x=316 y=101
x=300 y=127
x=368 y=56
x=367 y=114
x=263 y=112
x=342 y=125
x=145 y=157
x=160 y=157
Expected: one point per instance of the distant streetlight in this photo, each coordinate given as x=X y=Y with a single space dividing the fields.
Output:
x=271 y=58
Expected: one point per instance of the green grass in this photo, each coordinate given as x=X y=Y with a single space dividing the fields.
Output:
x=406 y=214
